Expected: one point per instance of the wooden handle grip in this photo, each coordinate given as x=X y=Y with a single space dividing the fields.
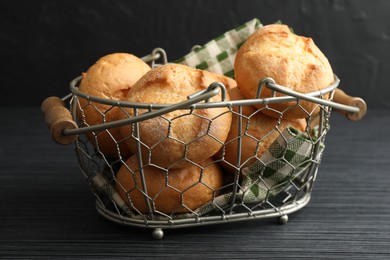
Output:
x=343 y=98
x=58 y=118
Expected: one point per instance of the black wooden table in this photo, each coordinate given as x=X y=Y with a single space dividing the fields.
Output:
x=47 y=210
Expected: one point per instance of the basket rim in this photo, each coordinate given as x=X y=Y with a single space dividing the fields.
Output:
x=203 y=105
x=200 y=100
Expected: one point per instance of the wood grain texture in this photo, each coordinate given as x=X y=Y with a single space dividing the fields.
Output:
x=47 y=211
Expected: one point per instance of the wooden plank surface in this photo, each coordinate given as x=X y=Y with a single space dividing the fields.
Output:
x=47 y=210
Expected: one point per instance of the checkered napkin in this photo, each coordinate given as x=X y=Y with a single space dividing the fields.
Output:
x=286 y=159
x=219 y=54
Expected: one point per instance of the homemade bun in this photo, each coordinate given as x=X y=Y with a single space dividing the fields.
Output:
x=174 y=138
x=258 y=132
x=111 y=77
x=292 y=61
x=171 y=191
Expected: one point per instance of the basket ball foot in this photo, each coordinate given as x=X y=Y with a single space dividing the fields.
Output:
x=158 y=233
x=283 y=219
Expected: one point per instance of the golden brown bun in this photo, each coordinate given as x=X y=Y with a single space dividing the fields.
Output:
x=164 y=188
x=292 y=61
x=179 y=134
x=111 y=77
x=260 y=133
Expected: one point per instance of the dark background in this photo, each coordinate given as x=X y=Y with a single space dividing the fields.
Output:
x=46 y=43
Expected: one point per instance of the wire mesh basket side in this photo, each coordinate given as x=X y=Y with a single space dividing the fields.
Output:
x=247 y=190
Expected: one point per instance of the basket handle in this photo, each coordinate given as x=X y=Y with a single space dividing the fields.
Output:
x=64 y=129
x=58 y=118
x=343 y=98
x=354 y=108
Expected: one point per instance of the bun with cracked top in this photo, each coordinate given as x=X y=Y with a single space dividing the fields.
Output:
x=291 y=60
x=111 y=77
x=173 y=139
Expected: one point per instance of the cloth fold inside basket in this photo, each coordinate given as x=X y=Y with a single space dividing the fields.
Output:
x=218 y=55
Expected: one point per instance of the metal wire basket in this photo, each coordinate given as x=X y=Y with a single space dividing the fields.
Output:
x=263 y=186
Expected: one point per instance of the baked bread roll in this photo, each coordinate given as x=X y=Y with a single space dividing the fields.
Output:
x=173 y=139
x=292 y=61
x=257 y=135
x=111 y=77
x=172 y=191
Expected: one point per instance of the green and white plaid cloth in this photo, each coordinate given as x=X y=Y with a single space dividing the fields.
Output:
x=218 y=55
